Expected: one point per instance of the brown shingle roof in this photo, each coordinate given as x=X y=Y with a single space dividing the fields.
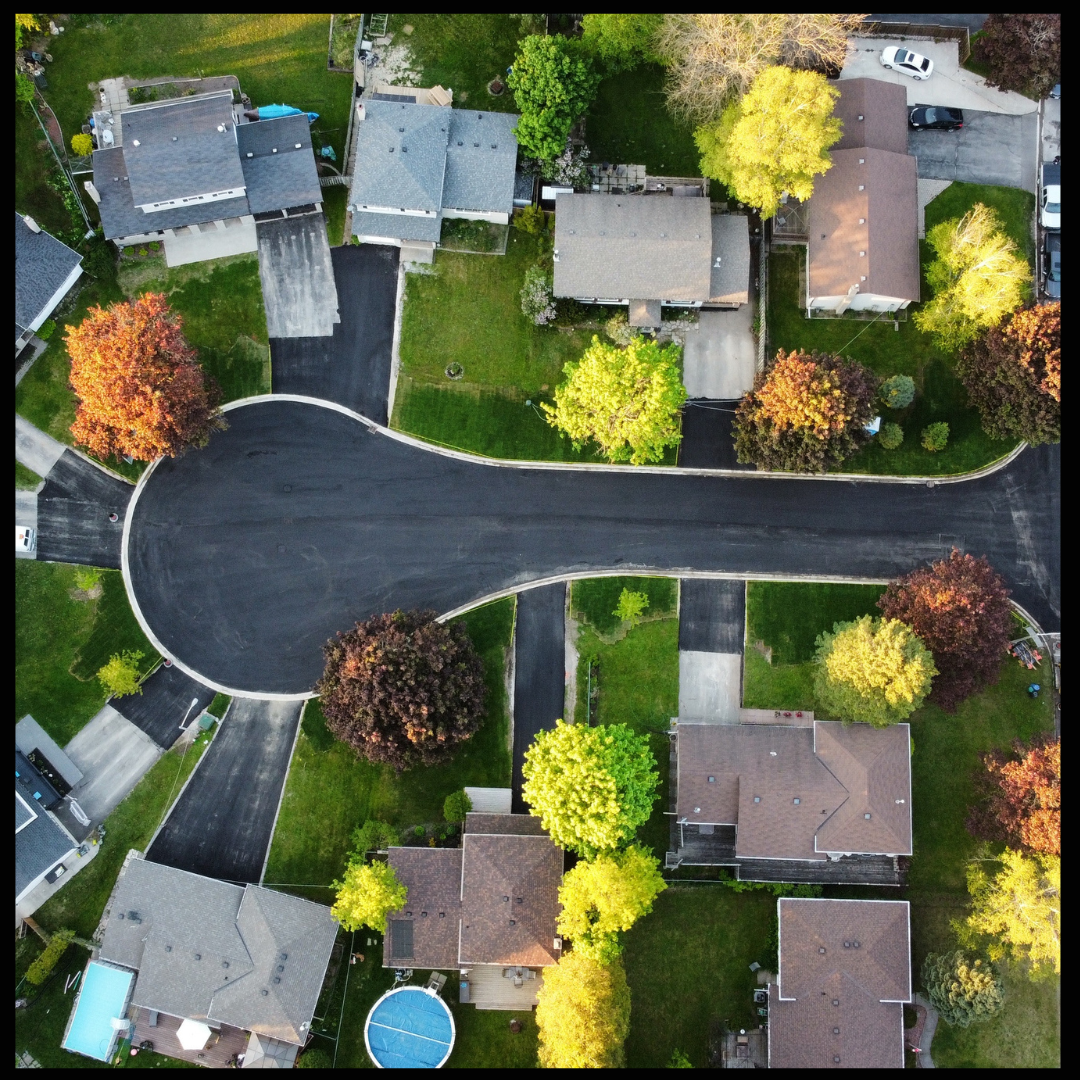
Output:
x=504 y=824
x=510 y=900
x=864 y=222
x=828 y=982
x=433 y=878
x=883 y=108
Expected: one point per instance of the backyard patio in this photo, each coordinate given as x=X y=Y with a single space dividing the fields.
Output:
x=161 y=1030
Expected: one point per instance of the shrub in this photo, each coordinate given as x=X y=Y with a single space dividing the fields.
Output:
x=531 y=220
x=898 y=392
x=372 y=836
x=890 y=436
x=536 y=300
x=935 y=437
x=46 y=330
x=631 y=607
x=86 y=577
x=315 y=1058
x=120 y=676
x=419 y=832
x=143 y=251
x=963 y=991
x=42 y=967
x=679 y=1060
x=456 y=805
x=155 y=246
x=82 y=144
x=620 y=331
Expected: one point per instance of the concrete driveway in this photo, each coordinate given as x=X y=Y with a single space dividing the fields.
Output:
x=719 y=357
x=950 y=84
x=992 y=148
x=297 y=277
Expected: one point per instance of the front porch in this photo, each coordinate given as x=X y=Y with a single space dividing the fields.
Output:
x=495 y=987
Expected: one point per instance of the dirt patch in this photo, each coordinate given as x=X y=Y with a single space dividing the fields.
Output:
x=397 y=66
x=84 y=596
x=765 y=650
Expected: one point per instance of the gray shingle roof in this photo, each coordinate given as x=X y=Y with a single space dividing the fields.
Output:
x=42 y=265
x=480 y=159
x=40 y=842
x=636 y=247
x=729 y=283
x=180 y=150
x=398 y=226
x=285 y=178
x=207 y=949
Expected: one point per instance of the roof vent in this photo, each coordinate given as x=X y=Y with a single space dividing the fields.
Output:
x=862 y=187
x=121 y=915
x=862 y=254
x=796 y=801
x=168 y=948
x=224 y=963
x=442 y=914
x=274 y=151
x=250 y=154
x=479 y=116
x=862 y=221
x=401 y=129
x=663 y=234
x=712 y=779
x=404 y=149
x=520 y=899
x=391 y=149
x=284 y=956
x=862 y=161
x=863 y=278
x=513 y=922
x=277 y=979
x=460 y=143
x=280 y=968
x=847 y=944
x=836 y=1031
x=867 y=816
x=265 y=993
x=221 y=127
x=299 y=145
x=757 y=798
x=717 y=262
x=860 y=116
x=822 y=236
x=822 y=950
x=476 y=144
x=174 y=138
x=697 y=809
x=506 y=899
x=423 y=914
x=198 y=956
x=134 y=142
x=836 y=1059
x=494 y=146
x=772 y=753
x=836 y=1001
x=854 y=944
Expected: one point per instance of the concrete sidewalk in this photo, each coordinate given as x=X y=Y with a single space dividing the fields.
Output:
x=35 y=449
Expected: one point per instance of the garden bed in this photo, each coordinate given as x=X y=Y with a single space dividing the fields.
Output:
x=474 y=237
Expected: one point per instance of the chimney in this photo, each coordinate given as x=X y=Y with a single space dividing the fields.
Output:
x=31 y=224
x=92 y=191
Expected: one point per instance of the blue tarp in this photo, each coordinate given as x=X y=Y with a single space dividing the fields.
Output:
x=410 y=1029
x=272 y=112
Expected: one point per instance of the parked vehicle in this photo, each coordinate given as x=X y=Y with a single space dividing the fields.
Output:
x=907 y=62
x=935 y=118
x=1050 y=202
x=25 y=538
x=1052 y=265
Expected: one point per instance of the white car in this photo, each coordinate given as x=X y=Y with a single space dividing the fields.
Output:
x=25 y=538
x=1051 y=207
x=907 y=62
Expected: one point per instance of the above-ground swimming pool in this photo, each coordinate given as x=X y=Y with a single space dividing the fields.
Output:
x=102 y=999
x=409 y=1028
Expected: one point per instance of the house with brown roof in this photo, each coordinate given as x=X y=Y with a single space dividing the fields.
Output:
x=863 y=218
x=822 y=801
x=487 y=909
x=844 y=977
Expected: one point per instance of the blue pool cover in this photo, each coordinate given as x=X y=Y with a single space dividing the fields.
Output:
x=409 y=1028
x=102 y=998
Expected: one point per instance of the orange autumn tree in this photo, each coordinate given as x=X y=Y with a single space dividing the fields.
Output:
x=140 y=387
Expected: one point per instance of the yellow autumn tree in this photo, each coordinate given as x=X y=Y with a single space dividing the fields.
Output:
x=366 y=895
x=583 y=1014
x=875 y=671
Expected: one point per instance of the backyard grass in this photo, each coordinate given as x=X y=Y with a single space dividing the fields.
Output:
x=25 y=479
x=328 y=783
x=62 y=638
x=32 y=163
x=221 y=304
x=594 y=600
x=463 y=52
x=688 y=964
x=334 y=200
x=79 y=904
x=946 y=754
x=940 y=394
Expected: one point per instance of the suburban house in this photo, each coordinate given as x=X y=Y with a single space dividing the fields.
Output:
x=863 y=217
x=487 y=909
x=642 y=252
x=241 y=966
x=418 y=164
x=806 y=800
x=196 y=174
x=45 y=271
x=845 y=975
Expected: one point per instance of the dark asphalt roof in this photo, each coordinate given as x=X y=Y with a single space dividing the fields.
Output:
x=375 y=523
x=398 y=226
x=281 y=171
x=40 y=843
x=480 y=159
x=42 y=265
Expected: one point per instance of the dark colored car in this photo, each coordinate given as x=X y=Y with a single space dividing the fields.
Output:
x=1052 y=265
x=935 y=118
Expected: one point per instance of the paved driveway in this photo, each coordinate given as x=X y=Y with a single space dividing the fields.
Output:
x=950 y=84
x=167 y=697
x=992 y=148
x=719 y=357
x=297 y=277
x=247 y=556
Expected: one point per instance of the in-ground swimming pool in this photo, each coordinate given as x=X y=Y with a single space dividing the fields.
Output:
x=102 y=999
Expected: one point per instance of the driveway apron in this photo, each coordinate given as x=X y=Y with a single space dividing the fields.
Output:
x=707 y=439
x=167 y=698
x=711 y=629
x=222 y=824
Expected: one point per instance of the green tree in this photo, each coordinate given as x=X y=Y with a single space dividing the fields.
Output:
x=456 y=805
x=591 y=787
x=935 y=437
x=120 y=676
x=631 y=606
x=621 y=42
x=43 y=966
x=583 y=1014
x=963 y=991
x=602 y=898
x=372 y=836
x=977 y=278
x=24 y=87
x=898 y=392
x=774 y=140
x=553 y=85
x=366 y=895
x=628 y=401
x=679 y=1060
x=1018 y=909
x=890 y=437
x=873 y=671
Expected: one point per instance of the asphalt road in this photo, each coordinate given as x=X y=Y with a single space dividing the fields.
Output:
x=991 y=148
x=246 y=556
x=165 y=701
x=222 y=824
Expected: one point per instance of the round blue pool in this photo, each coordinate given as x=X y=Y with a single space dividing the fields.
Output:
x=409 y=1028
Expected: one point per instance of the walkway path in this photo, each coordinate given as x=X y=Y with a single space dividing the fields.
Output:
x=926 y=1033
x=297 y=521
x=35 y=449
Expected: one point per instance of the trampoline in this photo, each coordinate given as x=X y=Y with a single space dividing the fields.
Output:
x=409 y=1028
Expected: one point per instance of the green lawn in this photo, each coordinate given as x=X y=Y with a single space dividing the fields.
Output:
x=221 y=305
x=32 y=162
x=629 y=124
x=79 y=904
x=688 y=964
x=946 y=749
x=1016 y=209
x=334 y=200
x=328 y=783
x=25 y=479
x=61 y=642
x=594 y=600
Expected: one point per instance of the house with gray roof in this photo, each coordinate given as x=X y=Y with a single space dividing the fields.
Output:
x=229 y=956
x=418 y=164
x=195 y=174
x=644 y=252
x=43 y=846
x=45 y=272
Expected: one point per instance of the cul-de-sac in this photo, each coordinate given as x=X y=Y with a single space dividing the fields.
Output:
x=538 y=541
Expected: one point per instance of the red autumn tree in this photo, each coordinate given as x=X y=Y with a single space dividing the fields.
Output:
x=960 y=608
x=1021 y=52
x=140 y=387
x=1013 y=376
x=1021 y=804
x=403 y=689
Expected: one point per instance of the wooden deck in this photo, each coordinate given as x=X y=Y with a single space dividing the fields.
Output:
x=217 y=1054
x=489 y=989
